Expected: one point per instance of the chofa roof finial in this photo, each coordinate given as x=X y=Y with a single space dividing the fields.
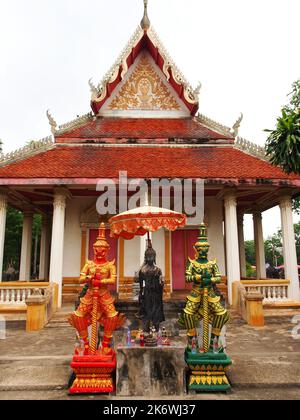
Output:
x=145 y=22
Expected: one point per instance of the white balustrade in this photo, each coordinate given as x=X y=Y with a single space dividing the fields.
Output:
x=274 y=292
x=16 y=296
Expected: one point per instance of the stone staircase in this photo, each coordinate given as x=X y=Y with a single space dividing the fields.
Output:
x=60 y=318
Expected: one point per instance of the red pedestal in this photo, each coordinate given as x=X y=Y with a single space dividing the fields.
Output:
x=94 y=374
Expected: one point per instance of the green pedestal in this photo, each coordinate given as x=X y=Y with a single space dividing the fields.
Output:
x=207 y=371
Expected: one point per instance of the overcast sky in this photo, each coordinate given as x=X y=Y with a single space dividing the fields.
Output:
x=245 y=53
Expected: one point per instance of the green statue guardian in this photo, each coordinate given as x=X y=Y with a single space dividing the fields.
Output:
x=206 y=365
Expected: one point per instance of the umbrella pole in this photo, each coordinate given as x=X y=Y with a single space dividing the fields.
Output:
x=148 y=239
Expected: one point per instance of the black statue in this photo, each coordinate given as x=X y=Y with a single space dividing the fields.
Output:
x=151 y=282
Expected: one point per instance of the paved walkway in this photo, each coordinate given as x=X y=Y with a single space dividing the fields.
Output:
x=36 y=365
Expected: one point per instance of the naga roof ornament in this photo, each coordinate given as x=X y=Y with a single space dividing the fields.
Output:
x=52 y=122
x=236 y=125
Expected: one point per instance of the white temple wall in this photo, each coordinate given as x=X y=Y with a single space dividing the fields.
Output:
x=72 y=243
x=131 y=256
x=214 y=215
x=158 y=243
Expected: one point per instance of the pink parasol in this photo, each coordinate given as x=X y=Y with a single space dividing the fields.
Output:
x=142 y=220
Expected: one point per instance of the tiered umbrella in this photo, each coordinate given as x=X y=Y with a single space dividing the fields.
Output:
x=142 y=220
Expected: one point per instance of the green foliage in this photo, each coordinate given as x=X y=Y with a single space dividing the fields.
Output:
x=250 y=252
x=250 y=272
x=295 y=96
x=296 y=205
x=283 y=143
x=273 y=250
x=13 y=238
x=36 y=236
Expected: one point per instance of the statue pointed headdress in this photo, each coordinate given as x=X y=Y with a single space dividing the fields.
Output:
x=101 y=241
x=202 y=238
x=150 y=251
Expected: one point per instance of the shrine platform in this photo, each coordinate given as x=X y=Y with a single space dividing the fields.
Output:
x=266 y=358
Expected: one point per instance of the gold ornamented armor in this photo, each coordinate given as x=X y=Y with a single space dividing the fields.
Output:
x=193 y=310
x=204 y=274
x=98 y=273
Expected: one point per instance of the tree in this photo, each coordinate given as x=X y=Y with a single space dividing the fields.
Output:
x=250 y=252
x=296 y=205
x=36 y=236
x=283 y=143
x=273 y=250
x=13 y=238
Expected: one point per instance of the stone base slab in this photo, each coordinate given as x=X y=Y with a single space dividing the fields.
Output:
x=155 y=372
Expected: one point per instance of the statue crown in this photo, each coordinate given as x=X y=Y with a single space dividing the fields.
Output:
x=101 y=241
x=202 y=238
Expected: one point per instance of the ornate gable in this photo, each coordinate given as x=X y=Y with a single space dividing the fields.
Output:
x=144 y=39
x=144 y=92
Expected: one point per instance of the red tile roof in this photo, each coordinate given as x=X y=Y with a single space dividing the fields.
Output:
x=142 y=128
x=143 y=162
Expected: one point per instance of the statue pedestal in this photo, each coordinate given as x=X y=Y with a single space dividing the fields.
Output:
x=94 y=374
x=152 y=371
x=206 y=371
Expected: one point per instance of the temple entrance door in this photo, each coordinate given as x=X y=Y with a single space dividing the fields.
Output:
x=113 y=252
x=182 y=247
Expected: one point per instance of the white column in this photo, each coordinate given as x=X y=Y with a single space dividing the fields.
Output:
x=242 y=244
x=259 y=246
x=289 y=247
x=3 y=211
x=44 y=250
x=25 y=264
x=57 y=242
x=232 y=242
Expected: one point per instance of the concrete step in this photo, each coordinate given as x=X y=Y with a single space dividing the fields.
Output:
x=53 y=372
x=34 y=373
x=281 y=312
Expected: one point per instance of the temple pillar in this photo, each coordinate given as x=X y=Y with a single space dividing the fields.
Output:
x=25 y=263
x=232 y=242
x=3 y=212
x=259 y=246
x=242 y=244
x=57 y=241
x=289 y=247
x=44 y=250
x=83 y=247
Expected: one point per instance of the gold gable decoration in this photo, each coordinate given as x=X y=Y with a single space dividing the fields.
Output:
x=144 y=90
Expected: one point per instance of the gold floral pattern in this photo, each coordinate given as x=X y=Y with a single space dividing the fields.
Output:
x=144 y=90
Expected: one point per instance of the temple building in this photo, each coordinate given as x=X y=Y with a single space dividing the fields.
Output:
x=145 y=121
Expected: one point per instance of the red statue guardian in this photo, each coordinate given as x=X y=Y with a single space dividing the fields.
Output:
x=96 y=307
